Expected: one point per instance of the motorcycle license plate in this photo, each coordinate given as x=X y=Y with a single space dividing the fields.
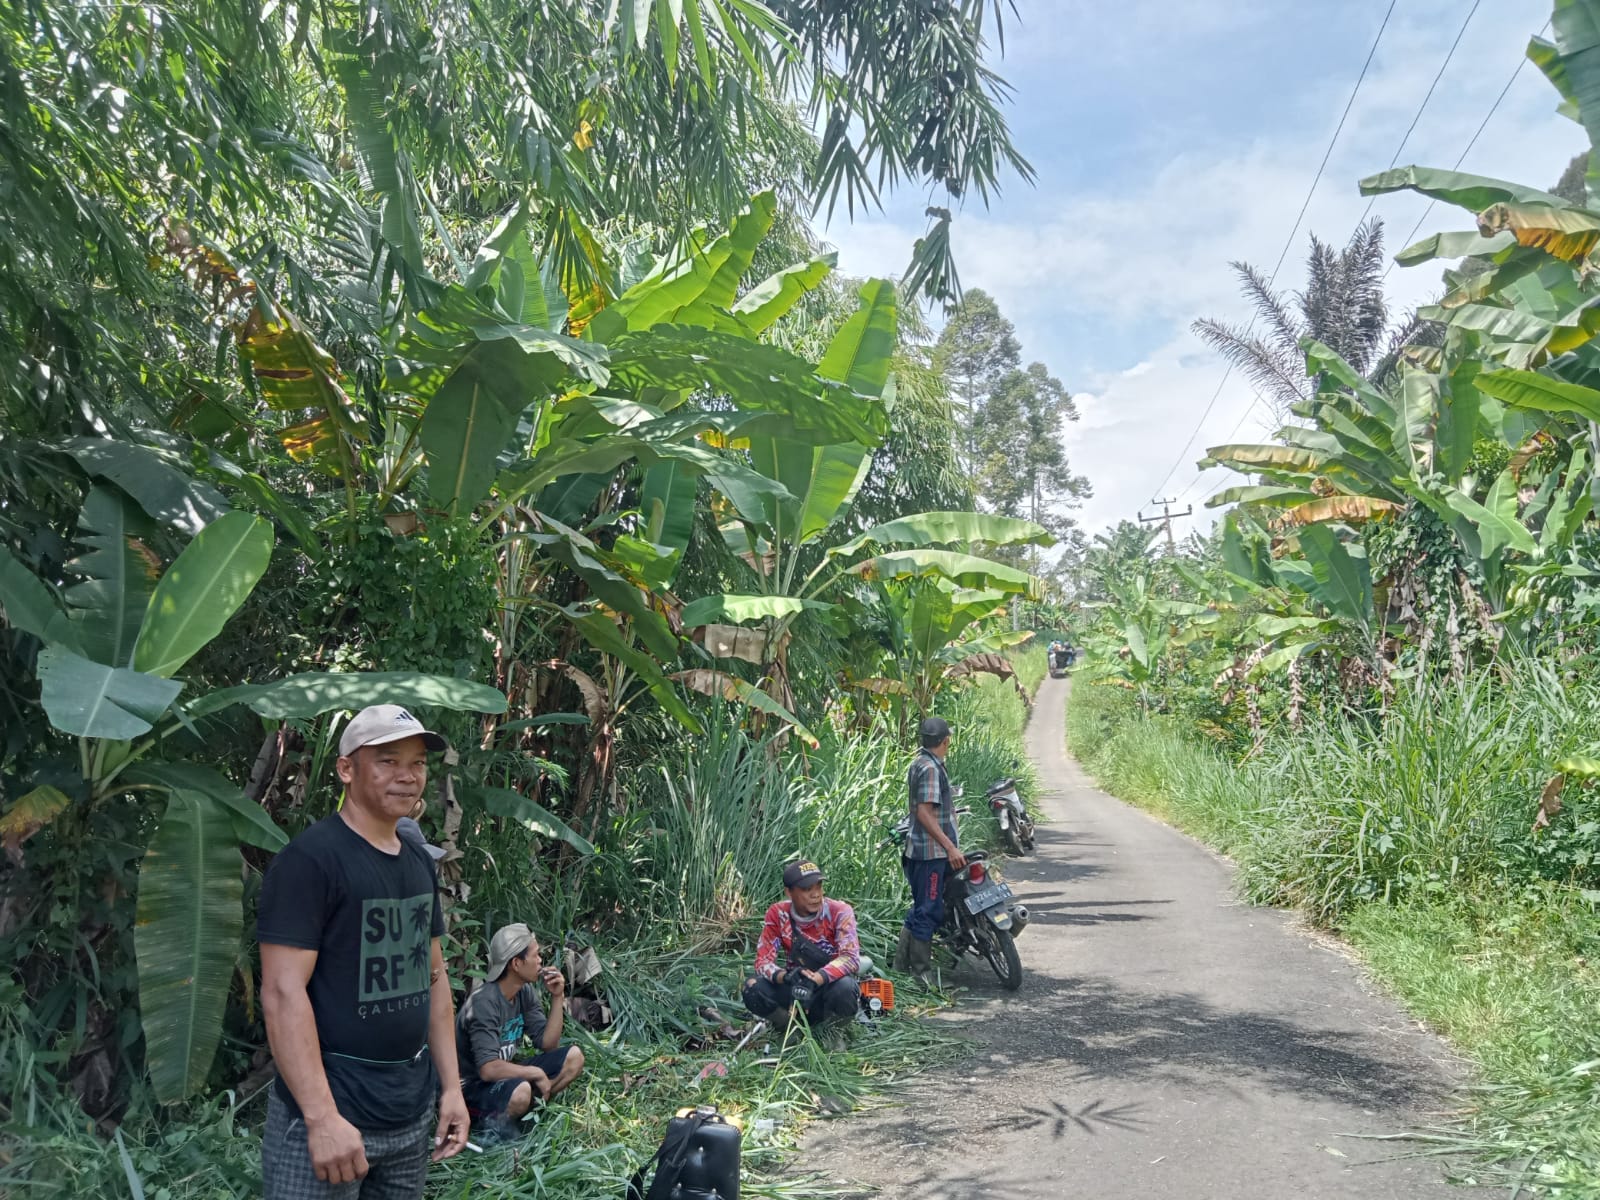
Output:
x=987 y=897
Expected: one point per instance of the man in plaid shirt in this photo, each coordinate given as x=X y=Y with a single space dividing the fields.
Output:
x=806 y=936
x=930 y=852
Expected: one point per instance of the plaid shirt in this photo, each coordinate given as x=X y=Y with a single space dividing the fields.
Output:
x=928 y=783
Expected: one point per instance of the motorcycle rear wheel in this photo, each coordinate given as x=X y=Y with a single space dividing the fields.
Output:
x=1014 y=846
x=1027 y=836
x=1000 y=952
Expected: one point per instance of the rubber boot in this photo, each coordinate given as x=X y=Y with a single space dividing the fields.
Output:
x=919 y=960
x=902 y=951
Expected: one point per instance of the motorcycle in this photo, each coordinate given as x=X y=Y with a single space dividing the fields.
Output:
x=980 y=917
x=1016 y=827
x=1061 y=660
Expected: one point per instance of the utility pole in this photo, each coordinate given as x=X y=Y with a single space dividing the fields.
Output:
x=1166 y=518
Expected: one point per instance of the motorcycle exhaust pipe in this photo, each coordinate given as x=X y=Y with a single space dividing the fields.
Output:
x=1019 y=918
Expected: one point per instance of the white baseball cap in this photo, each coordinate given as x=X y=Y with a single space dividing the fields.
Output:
x=381 y=723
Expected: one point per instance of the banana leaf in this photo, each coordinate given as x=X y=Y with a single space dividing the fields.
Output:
x=1250 y=458
x=601 y=632
x=297 y=376
x=737 y=609
x=201 y=590
x=158 y=482
x=1267 y=496
x=30 y=607
x=1528 y=389
x=732 y=688
x=964 y=569
x=943 y=528
x=1352 y=510
x=187 y=926
x=697 y=272
x=91 y=700
x=1496 y=519
x=250 y=822
x=1452 y=245
x=860 y=354
x=1473 y=192
x=1341 y=581
x=503 y=802
x=316 y=692
x=777 y=294
x=1565 y=233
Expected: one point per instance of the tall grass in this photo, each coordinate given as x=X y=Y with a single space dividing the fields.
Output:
x=1514 y=980
x=686 y=863
x=1410 y=831
x=1439 y=793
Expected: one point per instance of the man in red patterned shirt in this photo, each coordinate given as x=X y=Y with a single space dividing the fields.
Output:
x=807 y=941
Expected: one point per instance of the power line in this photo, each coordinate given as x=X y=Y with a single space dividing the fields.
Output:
x=1289 y=241
x=1421 y=108
x=1484 y=124
x=1231 y=436
x=1450 y=54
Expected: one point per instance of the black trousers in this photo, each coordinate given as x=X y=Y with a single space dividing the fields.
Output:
x=838 y=999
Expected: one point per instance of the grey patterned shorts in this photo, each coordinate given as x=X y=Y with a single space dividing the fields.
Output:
x=397 y=1160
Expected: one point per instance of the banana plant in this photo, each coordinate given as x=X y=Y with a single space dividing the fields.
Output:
x=908 y=548
x=932 y=634
x=113 y=646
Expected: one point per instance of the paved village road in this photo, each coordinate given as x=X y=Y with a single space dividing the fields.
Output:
x=1168 y=1041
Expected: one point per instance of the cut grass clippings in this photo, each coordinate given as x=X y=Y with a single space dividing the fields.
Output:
x=1508 y=970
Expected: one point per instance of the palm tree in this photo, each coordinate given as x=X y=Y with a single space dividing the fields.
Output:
x=1342 y=306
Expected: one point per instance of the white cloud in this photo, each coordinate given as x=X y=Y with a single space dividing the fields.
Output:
x=1104 y=276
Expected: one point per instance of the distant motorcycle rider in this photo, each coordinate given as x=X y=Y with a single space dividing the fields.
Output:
x=930 y=852
x=808 y=953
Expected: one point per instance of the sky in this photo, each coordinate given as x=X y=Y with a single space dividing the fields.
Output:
x=1172 y=137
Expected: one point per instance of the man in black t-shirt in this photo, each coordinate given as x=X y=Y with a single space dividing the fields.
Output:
x=494 y=1020
x=357 y=1005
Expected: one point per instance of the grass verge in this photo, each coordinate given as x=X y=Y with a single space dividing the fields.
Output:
x=1507 y=967
x=685 y=873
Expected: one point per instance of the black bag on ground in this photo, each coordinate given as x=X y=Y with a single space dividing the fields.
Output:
x=698 y=1160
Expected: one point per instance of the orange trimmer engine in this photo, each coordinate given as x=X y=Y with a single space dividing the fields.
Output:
x=877 y=996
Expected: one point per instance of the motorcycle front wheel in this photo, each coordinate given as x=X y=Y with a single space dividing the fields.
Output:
x=999 y=950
